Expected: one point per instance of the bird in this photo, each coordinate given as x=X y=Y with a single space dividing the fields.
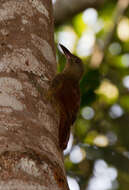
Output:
x=65 y=90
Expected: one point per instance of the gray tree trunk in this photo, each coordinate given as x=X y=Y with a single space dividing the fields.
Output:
x=30 y=158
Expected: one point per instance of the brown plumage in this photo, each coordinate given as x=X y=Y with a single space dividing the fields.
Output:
x=65 y=90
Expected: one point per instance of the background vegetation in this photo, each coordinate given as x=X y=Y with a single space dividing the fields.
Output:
x=97 y=156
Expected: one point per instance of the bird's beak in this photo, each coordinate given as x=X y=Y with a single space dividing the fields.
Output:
x=66 y=51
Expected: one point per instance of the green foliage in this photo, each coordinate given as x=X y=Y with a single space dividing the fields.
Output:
x=81 y=127
x=101 y=132
x=124 y=100
x=79 y=24
x=88 y=85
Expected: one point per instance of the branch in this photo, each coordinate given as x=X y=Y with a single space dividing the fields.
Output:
x=99 y=52
x=65 y=9
x=111 y=156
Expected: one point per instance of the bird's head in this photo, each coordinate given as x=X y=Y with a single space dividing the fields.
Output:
x=74 y=65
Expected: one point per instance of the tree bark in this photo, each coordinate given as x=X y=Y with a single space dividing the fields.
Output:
x=30 y=157
x=65 y=9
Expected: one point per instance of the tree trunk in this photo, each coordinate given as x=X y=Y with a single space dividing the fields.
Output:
x=30 y=157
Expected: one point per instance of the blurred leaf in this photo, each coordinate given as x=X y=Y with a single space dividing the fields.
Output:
x=108 y=92
x=79 y=24
x=81 y=127
x=124 y=101
x=88 y=85
x=68 y=163
x=61 y=61
x=90 y=137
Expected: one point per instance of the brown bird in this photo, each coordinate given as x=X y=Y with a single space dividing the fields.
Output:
x=66 y=92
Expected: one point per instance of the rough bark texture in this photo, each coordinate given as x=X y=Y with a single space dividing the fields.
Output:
x=30 y=157
x=65 y=9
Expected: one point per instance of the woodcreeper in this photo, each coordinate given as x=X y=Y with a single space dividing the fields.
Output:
x=66 y=92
